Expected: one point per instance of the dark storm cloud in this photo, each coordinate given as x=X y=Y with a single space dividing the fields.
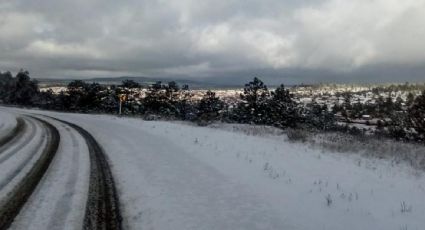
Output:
x=310 y=41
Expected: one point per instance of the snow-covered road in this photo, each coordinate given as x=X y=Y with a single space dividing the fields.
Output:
x=162 y=186
x=24 y=158
x=178 y=176
x=17 y=160
x=54 y=176
x=63 y=191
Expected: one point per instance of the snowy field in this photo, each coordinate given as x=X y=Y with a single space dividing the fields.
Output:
x=179 y=176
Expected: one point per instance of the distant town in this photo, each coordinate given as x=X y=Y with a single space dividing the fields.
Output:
x=364 y=100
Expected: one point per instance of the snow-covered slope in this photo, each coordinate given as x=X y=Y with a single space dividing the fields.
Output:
x=176 y=176
x=7 y=123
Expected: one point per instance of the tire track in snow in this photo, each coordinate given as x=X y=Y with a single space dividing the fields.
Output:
x=62 y=209
x=10 y=208
x=24 y=137
x=20 y=158
x=24 y=162
x=16 y=161
x=102 y=209
x=63 y=191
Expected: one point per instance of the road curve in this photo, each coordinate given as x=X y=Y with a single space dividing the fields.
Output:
x=102 y=209
x=10 y=207
x=63 y=191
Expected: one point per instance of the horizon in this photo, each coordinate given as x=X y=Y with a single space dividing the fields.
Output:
x=199 y=83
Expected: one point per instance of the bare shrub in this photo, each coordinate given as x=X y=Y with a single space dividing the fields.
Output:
x=372 y=146
x=405 y=208
x=252 y=130
x=328 y=200
x=297 y=135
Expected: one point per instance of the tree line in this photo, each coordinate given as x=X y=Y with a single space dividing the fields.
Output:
x=256 y=105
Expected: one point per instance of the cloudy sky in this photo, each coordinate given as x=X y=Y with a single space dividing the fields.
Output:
x=296 y=40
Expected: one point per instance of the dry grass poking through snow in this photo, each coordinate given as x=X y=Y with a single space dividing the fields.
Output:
x=398 y=152
x=251 y=130
x=367 y=146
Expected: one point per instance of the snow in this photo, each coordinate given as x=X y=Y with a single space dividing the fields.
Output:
x=176 y=176
x=17 y=160
x=7 y=123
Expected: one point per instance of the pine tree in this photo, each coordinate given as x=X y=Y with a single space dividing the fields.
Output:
x=84 y=96
x=410 y=99
x=318 y=117
x=388 y=105
x=24 y=90
x=253 y=108
x=398 y=104
x=7 y=84
x=282 y=108
x=185 y=106
x=210 y=107
x=155 y=99
x=162 y=99
x=417 y=115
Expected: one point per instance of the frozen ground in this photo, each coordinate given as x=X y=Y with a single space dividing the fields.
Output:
x=176 y=176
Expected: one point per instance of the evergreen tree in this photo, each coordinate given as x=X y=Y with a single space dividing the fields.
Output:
x=253 y=108
x=417 y=115
x=7 y=84
x=397 y=127
x=63 y=101
x=155 y=98
x=109 y=103
x=347 y=100
x=84 y=96
x=76 y=91
x=388 y=105
x=410 y=99
x=318 y=117
x=398 y=104
x=24 y=90
x=46 y=100
x=185 y=107
x=282 y=110
x=357 y=109
x=380 y=107
x=163 y=99
x=210 y=107
x=346 y=112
